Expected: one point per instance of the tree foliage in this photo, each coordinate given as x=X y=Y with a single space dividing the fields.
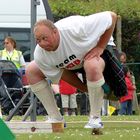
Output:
x=129 y=9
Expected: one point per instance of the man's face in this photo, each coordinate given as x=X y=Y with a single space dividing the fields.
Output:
x=47 y=38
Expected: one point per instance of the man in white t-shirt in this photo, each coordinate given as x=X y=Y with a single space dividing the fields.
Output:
x=68 y=45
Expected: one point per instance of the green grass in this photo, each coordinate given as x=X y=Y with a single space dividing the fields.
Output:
x=120 y=130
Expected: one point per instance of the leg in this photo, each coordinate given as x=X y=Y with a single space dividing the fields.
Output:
x=71 y=77
x=59 y=102
x=105 y=107
x=42 y=90
x=84 y=104
x=135 y=104
x=73 y=104
x=123 y=107
x=65 y=104
x=129 y=107
x=94 y=73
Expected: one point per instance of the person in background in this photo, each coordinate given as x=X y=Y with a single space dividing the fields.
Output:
x=126 y=101
x=10 y=53
x=56 y=91
x=123 y=60
x=135 y=105
x=82 y=97
x=68 y=96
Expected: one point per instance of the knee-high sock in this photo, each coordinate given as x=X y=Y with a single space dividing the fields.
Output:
x=44 y=93
x=96 y=94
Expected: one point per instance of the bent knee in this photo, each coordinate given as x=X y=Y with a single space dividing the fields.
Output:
x=94 y=68
x=94 y=64
x=33 y=73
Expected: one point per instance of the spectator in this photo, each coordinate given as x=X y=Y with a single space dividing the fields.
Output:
x=105 y=106
x=123 y=60
x=126 y=101
x=123 y=57
x=68 y=95
x=10 y=53
x=12 y=78
x=135 y=106
x=82 y=97
x=57 y=95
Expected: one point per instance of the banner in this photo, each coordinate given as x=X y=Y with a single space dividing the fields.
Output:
x=5 y=132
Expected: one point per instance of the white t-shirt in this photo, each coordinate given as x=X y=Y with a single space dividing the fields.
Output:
x=78 y=34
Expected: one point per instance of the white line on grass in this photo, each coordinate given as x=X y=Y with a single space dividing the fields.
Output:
x=106 y=121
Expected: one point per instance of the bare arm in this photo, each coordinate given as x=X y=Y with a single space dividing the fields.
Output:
x=104 y=39
x=72 y=78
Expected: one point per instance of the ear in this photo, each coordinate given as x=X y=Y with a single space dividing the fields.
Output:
x=55 y=30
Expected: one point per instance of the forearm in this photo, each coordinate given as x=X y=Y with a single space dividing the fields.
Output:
x=104 y=39
x=72 y=78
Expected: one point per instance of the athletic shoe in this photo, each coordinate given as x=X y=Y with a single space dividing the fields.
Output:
x=94 y=122
x=52 y=120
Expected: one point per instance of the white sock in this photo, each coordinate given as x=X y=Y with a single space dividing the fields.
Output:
x=66 y=114
x=96 y=94
x=44 y=93
x=73 y=113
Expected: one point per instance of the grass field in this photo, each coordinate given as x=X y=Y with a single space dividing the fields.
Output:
x=115 y=128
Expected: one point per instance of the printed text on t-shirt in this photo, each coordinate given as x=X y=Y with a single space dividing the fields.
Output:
x=69 y=62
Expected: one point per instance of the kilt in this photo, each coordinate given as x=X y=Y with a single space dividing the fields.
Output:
x=113 y=73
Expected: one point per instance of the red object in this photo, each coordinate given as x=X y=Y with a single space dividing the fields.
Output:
x=24 y=80
x=130 y=90
x=66 y=88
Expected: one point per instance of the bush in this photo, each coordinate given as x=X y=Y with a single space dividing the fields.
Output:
x=128 y=9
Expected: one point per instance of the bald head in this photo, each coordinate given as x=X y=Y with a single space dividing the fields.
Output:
x=44 y=22
x=46 y=35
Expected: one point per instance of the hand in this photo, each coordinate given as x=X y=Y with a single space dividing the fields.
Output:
x=134 y=87
x=95 y=52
